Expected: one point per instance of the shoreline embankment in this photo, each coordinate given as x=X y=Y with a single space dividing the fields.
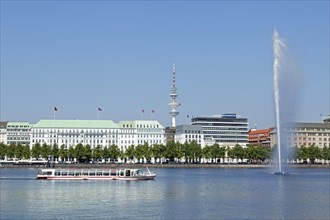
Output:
x=97 y=166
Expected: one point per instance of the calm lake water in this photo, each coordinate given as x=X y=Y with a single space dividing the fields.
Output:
x=176 y=193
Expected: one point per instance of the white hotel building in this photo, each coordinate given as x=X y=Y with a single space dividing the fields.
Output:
x=138 y=132
x=95 y=133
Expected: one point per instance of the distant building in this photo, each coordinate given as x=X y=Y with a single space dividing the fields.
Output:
x=95 y=133
x=304 y=134
x=170 y=133
x=3 y=132
x=260 y=137
x=18 y=133
x=139 y=132
x=73 y=132
x=225 y=129
x=189 y=133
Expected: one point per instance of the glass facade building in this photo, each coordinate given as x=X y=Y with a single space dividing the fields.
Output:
x=225 y=129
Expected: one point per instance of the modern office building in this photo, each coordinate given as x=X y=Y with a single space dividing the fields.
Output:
x=225 y=129
x=18 y=133
x=3 y=132
x=260 y=137
x=304 y=134
x=189 y=133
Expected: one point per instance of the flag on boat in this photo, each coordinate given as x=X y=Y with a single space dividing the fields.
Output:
x=142 y=110
x=99 y=109
x=153 y=111
x=55 y=109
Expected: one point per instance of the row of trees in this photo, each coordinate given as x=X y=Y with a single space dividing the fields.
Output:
x=171 y=152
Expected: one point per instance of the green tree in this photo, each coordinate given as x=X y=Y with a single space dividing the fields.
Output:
x=217 y=152
x=326 y=153
x=26 y=152
x=251 y=154
x=138 y=152
x=11 y=151
x=130 y=152
x=114 y=152
x=314 y=153
x=63 y=152
x=303 y=154
x=18 y=149
x=87 y=153
x=171 y=151
x=97 y=153
x=55 y=151
x=3 y=150
x=237 y=152
x=146 y=152
x=45 y=151
x=71 y=153
x=206 y=151
x=36 y=151
x=261 y=154
x=158 y=151
x=105 y=153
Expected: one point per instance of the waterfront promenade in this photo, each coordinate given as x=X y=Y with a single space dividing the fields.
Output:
x=174 y=165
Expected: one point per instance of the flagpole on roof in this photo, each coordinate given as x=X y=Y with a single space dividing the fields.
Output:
x=55 y=110
x=98 y=113
x=152 y=114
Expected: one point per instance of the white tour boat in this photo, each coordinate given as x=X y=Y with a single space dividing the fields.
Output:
x=95 y=174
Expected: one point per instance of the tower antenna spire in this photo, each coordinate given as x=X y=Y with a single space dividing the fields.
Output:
x=174 y=104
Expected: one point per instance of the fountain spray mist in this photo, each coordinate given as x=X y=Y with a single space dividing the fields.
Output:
x=278 y=45
x=286 y=93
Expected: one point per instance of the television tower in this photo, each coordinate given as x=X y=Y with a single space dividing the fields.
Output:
x=173 y=104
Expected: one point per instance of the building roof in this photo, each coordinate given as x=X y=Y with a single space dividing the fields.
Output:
x=138 y=123
x=308 y=125
x=260 y=131
x=18 y=124
x=311 y=125
x=75 y=124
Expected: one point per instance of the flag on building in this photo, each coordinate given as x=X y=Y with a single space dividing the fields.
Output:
x=99 y=109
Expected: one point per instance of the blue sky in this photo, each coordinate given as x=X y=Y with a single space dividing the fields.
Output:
x=81 y=55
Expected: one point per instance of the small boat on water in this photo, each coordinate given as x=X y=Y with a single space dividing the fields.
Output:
x=95 y=174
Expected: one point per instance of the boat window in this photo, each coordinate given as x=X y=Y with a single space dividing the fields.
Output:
x=128 y=173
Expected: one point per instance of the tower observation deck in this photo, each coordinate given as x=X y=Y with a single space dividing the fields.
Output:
x=174 y=104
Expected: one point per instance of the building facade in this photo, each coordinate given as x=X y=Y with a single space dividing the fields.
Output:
x=95 y=133
x=225 y=129
x=3 y=132
x=304 y=134
x=139 y=132
x=189 y=133
x=260 y=137
x=73 y=132
x=18 y=133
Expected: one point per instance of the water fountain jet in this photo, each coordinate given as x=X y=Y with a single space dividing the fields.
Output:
x=278 y=46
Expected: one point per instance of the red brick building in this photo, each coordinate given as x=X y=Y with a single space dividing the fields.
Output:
x=260 y=137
